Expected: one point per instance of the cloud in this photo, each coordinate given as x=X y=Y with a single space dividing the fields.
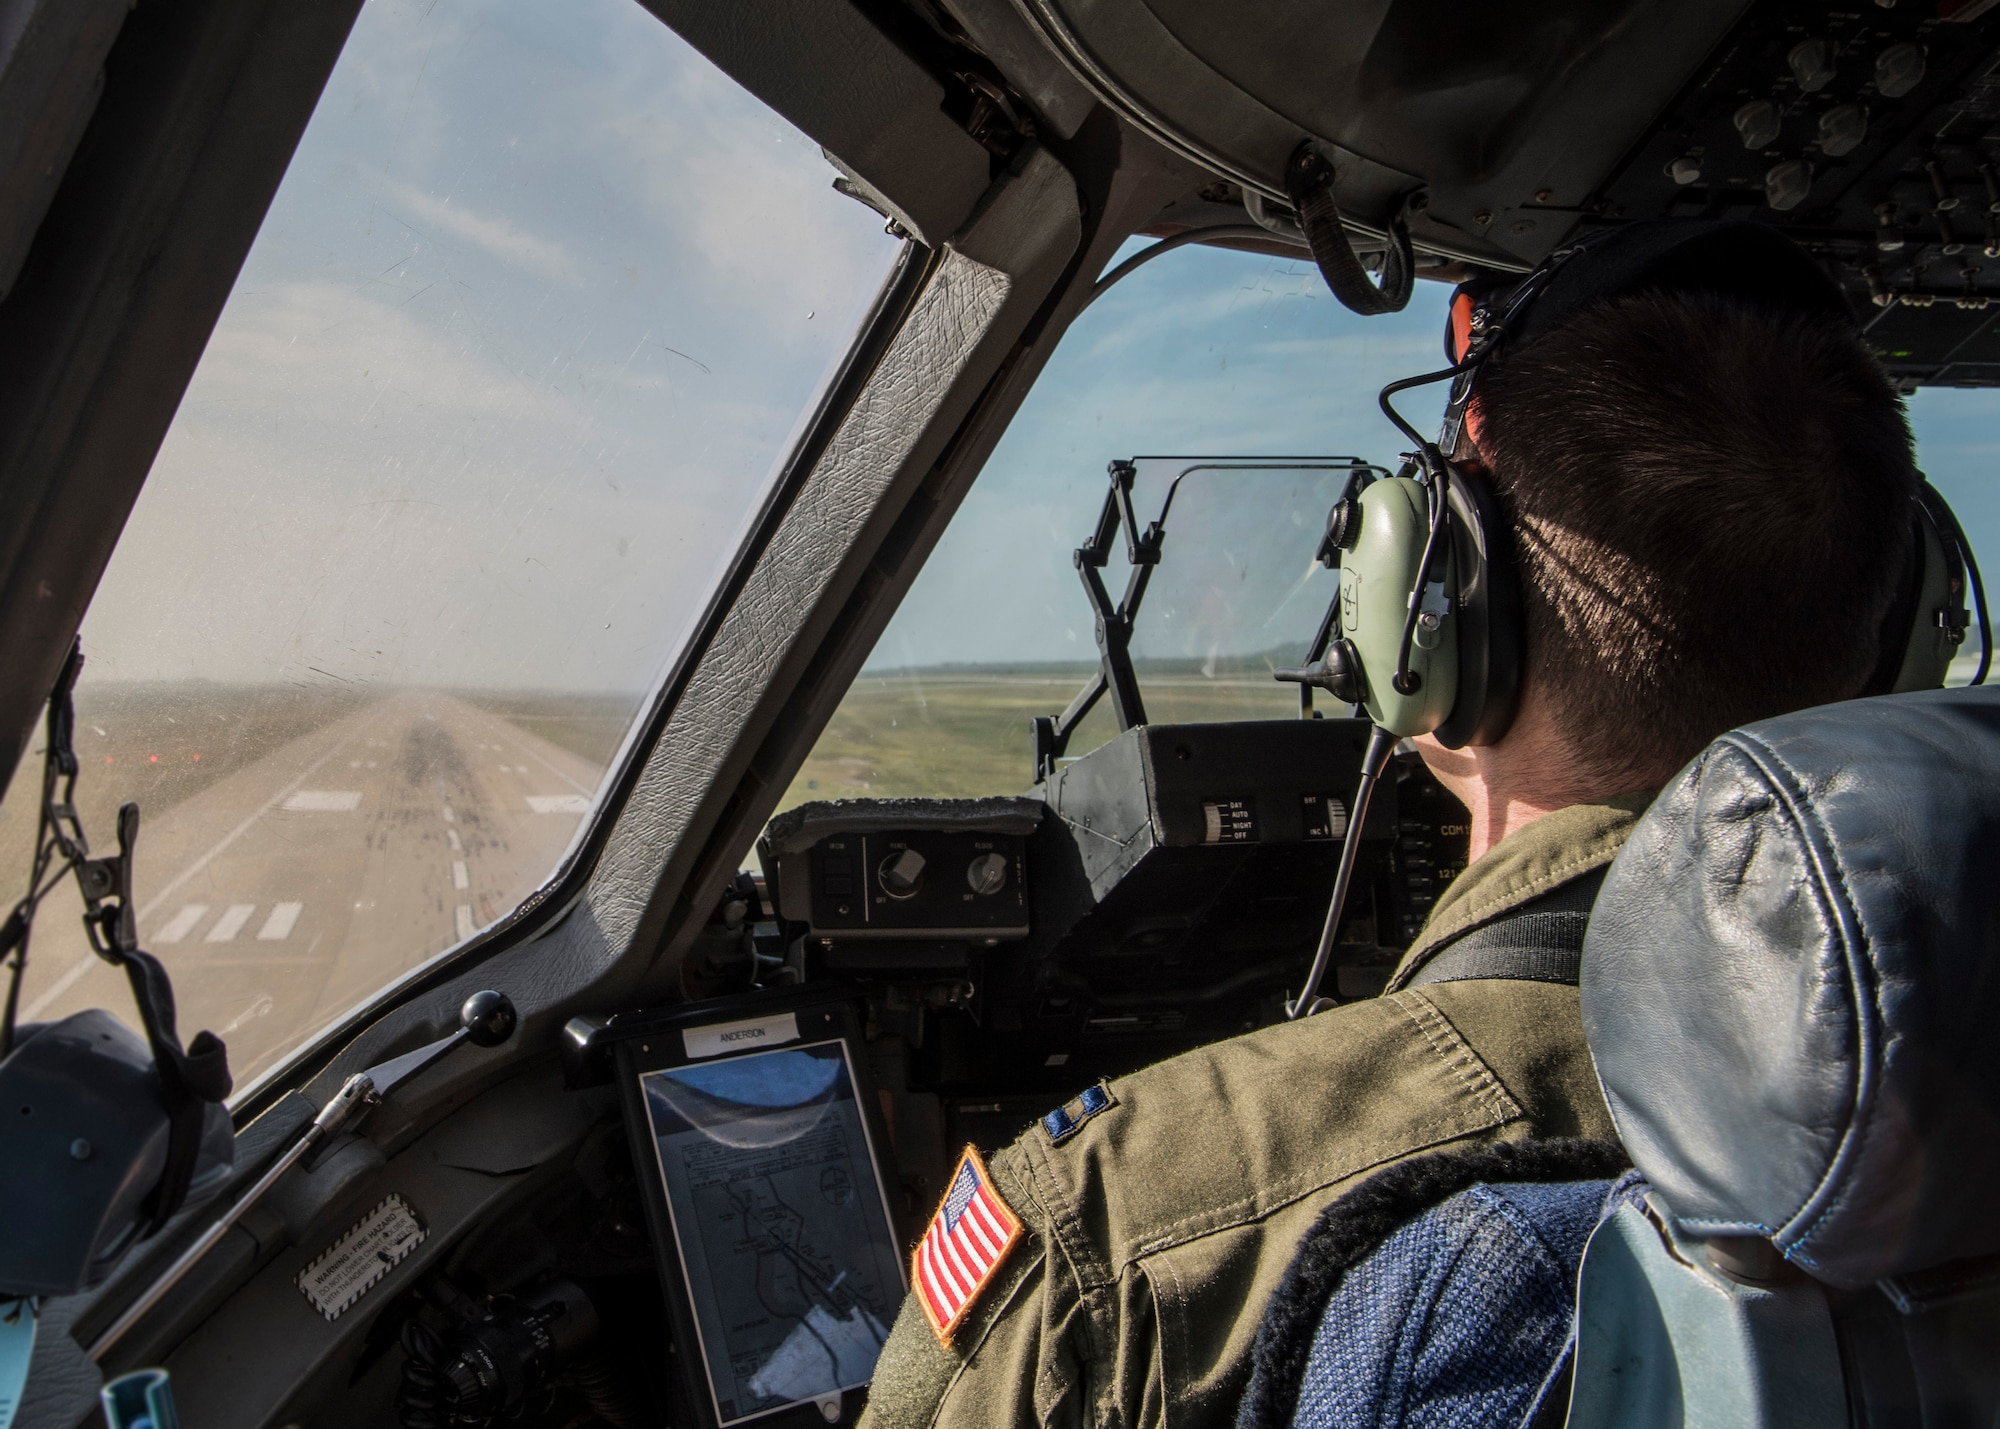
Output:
x=499 y=238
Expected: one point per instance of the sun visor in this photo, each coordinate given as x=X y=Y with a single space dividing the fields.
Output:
x=876 y=112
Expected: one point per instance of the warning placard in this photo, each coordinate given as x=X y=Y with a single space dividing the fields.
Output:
x=346 y=1270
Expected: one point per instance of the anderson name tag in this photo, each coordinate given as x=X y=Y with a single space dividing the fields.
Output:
x=719 y=1037
x=350 y=1267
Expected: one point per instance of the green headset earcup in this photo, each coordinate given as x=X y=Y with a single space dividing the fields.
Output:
x=1933 y=624
x=1377 y=572
x=1486 y=609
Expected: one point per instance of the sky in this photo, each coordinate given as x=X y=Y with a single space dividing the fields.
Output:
x=540 y=307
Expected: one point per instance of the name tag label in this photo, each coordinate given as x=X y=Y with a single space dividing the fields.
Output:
x=719 y=1037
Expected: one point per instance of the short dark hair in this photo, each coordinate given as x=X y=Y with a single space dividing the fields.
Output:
x=1710 y=504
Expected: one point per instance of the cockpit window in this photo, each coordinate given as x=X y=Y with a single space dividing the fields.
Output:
x=1958 y=441
x=1237 y=373
x=1236 y=361
x=530 y=325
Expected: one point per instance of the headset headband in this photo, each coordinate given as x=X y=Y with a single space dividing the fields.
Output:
x=1750 y=262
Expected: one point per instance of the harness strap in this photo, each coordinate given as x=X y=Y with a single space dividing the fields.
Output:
x=1540 y=942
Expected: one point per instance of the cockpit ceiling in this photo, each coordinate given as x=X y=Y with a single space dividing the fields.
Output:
x=1867 y=130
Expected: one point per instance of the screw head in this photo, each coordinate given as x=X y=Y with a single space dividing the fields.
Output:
x=80 y=1150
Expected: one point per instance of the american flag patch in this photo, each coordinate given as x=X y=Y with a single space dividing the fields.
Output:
x=968 y=1238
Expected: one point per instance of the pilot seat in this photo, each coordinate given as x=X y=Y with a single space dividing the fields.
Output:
x=1789 y=983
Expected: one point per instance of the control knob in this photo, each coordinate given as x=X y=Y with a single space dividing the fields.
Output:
x=987 y=874
x=902 y=874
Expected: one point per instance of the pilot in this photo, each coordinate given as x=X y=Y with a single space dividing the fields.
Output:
x=1708 y=481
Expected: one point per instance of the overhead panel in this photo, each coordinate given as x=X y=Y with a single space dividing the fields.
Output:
x=875 y=111
x=1868 y=133
x=1504 y=115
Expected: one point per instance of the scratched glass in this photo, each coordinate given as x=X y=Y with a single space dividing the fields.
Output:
x=534 y=318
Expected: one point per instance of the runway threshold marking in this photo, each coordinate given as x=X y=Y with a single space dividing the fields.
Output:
x=230 y=923
x=324 y=801
x=181 y=924
x=558 y=803
x=278 y=927
x=152 y=905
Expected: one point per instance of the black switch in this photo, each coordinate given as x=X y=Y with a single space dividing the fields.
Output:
x=837 y=866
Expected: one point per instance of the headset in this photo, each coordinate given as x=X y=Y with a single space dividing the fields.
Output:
x=1428 y=636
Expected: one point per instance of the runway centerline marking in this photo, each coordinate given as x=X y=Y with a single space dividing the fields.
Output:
x=452 y=836
x=230 y=923
x=181 y=924
x=458 y=878
x=449 y=816
x=278 y=926
x=465 y=928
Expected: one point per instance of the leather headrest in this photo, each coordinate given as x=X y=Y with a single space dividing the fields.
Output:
x=1791 y=986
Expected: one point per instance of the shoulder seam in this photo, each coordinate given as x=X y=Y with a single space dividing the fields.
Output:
x=1456 y=1054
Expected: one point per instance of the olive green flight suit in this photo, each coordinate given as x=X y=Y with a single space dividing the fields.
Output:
x=1158 y=1230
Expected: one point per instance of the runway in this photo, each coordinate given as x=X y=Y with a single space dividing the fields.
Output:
x=303 y=883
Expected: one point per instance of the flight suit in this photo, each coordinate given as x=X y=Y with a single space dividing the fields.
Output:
x=1157 y=1231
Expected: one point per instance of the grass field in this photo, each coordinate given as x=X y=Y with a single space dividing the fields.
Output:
x=590 y=725
x=963 y=733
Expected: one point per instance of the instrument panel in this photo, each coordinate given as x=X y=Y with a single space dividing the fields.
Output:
x=1163 y=890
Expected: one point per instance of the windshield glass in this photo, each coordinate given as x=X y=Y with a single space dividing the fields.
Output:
x=1238 y=590
x=1210 y=352
x=532 y=321
x=1204 y=351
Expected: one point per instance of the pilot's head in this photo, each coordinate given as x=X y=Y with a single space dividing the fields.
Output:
x=1709 y=479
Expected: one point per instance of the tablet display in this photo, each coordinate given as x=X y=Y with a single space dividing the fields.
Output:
x=792 y=1269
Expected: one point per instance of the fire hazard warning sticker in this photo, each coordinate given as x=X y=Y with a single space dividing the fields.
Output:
x=352 y=1266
